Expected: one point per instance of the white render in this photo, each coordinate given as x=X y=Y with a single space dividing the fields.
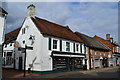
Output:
x=39 y=57
x=2 y=26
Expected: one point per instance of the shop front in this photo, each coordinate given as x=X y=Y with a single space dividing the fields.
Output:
x=116 y=59
x=67 y=61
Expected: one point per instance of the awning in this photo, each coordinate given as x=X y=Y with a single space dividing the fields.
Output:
x=66 y=54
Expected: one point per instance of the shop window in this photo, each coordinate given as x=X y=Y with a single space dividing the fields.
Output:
x=55 y=44
x=67 y=46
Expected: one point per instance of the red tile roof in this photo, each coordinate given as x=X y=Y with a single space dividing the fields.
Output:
x=53 y=29
x=106 y=42
x=11 y=36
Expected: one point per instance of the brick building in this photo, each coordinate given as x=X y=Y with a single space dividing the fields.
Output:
x=114 y=54
x=96 y=52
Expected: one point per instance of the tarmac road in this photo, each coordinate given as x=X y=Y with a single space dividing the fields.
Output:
x=112 y=73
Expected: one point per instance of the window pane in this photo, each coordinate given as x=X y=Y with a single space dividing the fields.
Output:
x=54 y=44
x=81 y=48
x=67 y=46
x=77 y=47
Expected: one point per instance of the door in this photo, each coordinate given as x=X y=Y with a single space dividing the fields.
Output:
x=20 y=63
x=105 y=62
x=71 y=64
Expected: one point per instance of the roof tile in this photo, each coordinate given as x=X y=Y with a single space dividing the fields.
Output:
x=53 y=29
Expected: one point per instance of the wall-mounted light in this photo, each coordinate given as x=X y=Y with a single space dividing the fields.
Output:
x=32 y=38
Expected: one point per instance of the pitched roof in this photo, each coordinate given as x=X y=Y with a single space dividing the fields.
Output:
x=11 y=36
x=106 y=42
x=56 y=30
x=3 y=11
x=91 y=42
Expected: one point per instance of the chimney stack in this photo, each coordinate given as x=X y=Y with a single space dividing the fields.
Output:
x=107 y=36
x=31 y=10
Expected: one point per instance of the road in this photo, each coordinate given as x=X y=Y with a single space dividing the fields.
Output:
x=113 y=73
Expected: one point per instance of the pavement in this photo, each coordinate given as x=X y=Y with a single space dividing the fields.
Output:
x=11 y=73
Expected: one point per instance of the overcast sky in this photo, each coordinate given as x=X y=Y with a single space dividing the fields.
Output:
x=90 y=18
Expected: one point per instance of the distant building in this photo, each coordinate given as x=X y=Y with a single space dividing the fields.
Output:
x=114 y=55
x=8 y=51
x=96 y=52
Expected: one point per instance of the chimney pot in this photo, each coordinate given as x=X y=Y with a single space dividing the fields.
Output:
x=107 y=36
x=31 y=10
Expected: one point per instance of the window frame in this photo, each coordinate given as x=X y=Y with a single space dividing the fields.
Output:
x=55 y=44
x=77 y=47
x=58 y=43
x=23 y=30
x=68 y=46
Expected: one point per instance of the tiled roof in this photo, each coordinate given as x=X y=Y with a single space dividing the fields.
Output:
x=53 y=29
x=11 y=36
x=3 y=11
x=91 y=42
x=106 y=42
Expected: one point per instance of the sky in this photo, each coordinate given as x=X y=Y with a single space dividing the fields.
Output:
x=90 y=18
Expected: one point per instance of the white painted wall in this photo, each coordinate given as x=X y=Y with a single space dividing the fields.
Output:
x=2 y=22
x=40 y=53
x=34 y=54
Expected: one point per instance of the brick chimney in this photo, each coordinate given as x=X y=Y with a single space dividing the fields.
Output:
x=31 y=11
x=107 y=36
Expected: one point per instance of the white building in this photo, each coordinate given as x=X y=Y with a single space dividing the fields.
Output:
x=55 y=47
x=3 y=15
x=8 y=50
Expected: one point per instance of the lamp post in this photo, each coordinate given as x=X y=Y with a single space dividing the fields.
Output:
x=24 y=51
